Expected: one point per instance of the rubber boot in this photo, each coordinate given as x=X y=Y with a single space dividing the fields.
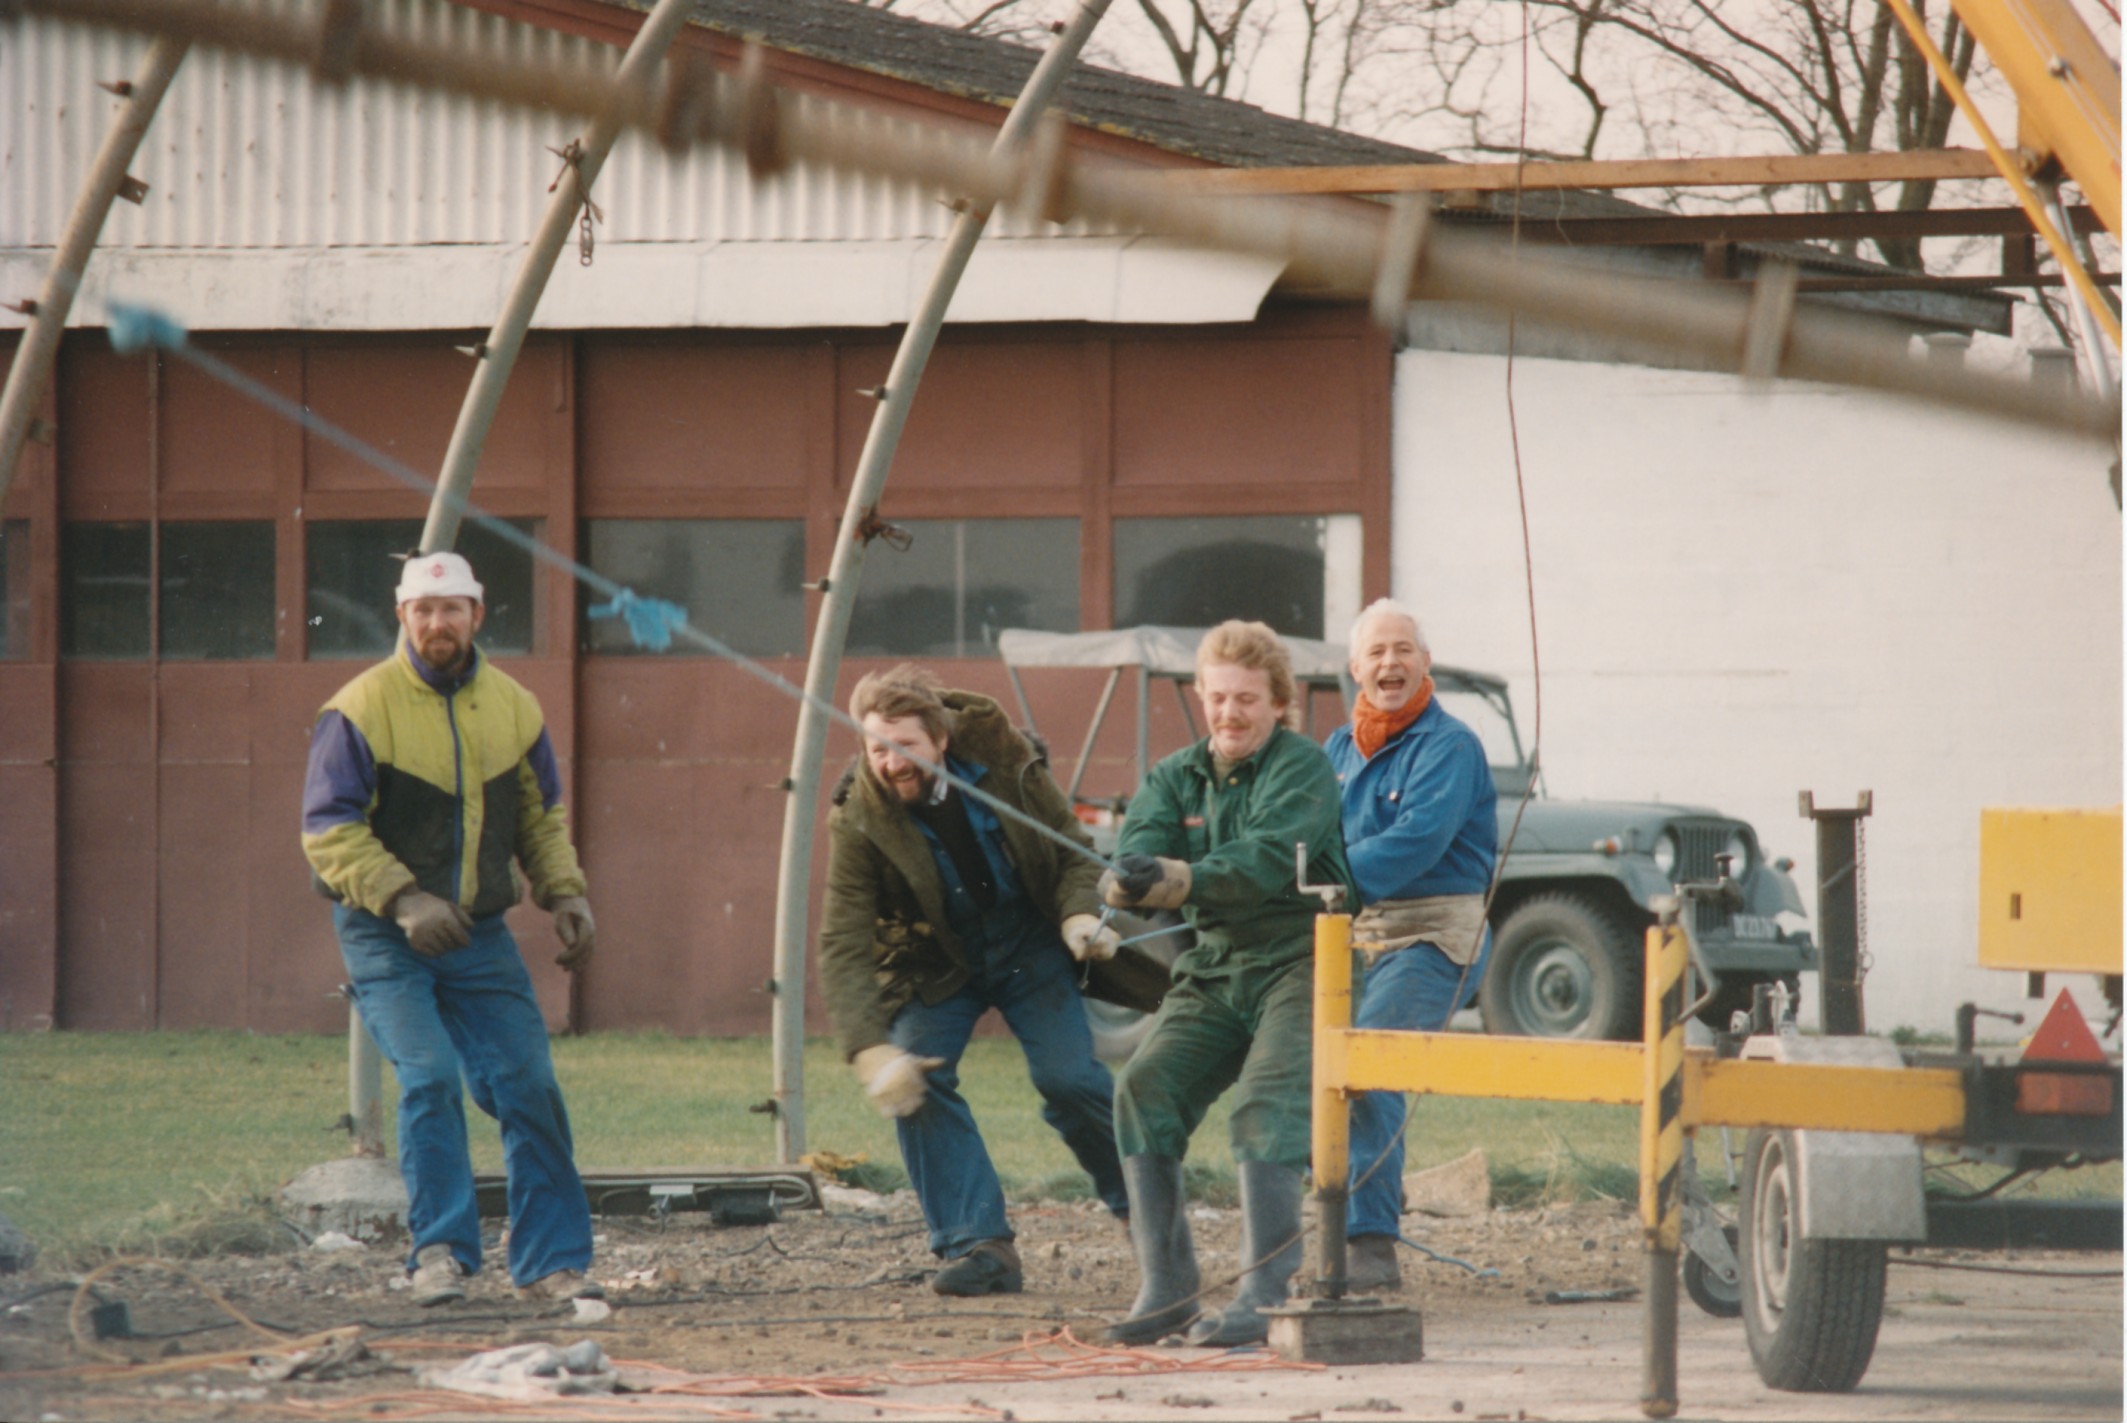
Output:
x=1270 y=1247
x=1166 y=1258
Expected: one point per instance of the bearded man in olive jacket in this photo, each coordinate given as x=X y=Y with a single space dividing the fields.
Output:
x=939 y=908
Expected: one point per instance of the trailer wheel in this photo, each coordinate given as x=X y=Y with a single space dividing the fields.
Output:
x=1564 y=966
x=1707 y=1289
x=1811 y=1308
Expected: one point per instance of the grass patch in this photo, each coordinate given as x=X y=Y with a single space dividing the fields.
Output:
x=176 y=1142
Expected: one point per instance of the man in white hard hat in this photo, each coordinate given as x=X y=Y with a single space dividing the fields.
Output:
x=431 y=781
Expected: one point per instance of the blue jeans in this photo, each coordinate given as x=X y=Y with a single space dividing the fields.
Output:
x=1025 y=973
x=1410 y=990
x=470 y=1013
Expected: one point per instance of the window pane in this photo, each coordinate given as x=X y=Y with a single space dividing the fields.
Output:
x=354 y=569
x=962 y=582
x=738 y=579
x=217 y=590
x=103 y=600
x=1197 y=572
x=14 y=590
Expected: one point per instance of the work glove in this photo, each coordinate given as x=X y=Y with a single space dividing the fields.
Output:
x=572 y=922
x=1087 y=938
x=434 y=926
x=893 y=1079
x=1145 y=882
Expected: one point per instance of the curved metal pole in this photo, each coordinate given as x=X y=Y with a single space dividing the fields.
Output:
x=499 y=355
x=838 y=591
x=497 y=358
x=32 y=368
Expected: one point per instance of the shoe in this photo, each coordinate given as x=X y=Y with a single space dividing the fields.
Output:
x=1270 y=1245
x=562 y=1284
x=991 y=1268
x=437 y=1276
x=1370 y=1265
x=1166 y=1258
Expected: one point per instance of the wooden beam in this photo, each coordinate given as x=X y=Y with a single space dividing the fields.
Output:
x=1700 y=229
x=1768 y=170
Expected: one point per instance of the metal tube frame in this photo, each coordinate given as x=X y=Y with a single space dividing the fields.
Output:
x=838 y=590
x=496 y=359
x=1336 y=248
x=32 y=368
x=497 y=356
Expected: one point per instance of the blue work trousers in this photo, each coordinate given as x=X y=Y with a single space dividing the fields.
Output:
x=1408 y=990
x=1022 y=969
x=470 y=1014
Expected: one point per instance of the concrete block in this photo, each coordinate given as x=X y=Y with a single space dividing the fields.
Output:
x=360 y=1196
x=1365 y=1331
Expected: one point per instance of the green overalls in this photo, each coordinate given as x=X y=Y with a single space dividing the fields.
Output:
x=1241 y=1011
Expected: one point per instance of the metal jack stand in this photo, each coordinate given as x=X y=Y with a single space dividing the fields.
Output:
x=1333 y=1329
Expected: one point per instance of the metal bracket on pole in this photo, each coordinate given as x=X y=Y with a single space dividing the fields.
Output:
x=831 y=630
x=107 y=181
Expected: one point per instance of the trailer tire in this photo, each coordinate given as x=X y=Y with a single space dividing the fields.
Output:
x=1707 y=1289
x=1811 y=1308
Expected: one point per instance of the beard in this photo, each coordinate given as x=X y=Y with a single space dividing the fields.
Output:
x=443 y=652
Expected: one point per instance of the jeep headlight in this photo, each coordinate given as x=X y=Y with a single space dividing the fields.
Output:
x=1737 y=848
x=1664 y=853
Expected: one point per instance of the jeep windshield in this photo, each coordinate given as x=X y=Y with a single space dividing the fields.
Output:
x=1479 y=701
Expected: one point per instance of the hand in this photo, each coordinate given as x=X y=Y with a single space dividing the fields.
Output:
x=893 y=1079
x=572 y=922
x=1145 y=882
x=434 y=926
x=1087 y=938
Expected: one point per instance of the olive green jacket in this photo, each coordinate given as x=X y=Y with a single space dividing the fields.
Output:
x=1238 y=837
x=883 y=930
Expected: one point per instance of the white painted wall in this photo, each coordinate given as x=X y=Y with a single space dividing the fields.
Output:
x=1740 y=596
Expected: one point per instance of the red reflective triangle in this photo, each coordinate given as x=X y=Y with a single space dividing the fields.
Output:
x=2063 y=1036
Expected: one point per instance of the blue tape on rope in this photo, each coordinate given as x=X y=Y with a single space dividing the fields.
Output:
x=134 y=328
x=650 y=620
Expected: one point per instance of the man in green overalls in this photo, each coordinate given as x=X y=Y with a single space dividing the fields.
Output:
x=1212 y=833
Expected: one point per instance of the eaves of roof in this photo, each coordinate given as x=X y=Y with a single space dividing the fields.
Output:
x=1215 y=130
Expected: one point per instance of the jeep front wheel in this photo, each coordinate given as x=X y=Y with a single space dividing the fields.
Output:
x=1564 y=966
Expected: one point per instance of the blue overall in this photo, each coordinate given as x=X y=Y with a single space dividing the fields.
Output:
x=470 y=1013
x=1020 y=967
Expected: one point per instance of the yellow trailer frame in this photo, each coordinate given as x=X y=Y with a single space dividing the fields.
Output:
x=1678 y=1090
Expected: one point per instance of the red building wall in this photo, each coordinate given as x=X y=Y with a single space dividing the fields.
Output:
x=149 y=808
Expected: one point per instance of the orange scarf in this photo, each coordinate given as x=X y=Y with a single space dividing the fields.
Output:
x=1372 y=727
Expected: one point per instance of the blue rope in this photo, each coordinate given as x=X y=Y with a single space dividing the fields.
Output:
x=651 y=622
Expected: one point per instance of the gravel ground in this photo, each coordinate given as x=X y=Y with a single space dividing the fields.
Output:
x=828 y=1315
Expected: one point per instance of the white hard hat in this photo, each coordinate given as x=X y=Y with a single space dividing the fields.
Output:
x=438 y=575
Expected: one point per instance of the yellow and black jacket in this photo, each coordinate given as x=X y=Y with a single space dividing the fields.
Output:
x=447 y=784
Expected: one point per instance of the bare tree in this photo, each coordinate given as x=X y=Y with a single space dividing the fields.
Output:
x=1683 y=77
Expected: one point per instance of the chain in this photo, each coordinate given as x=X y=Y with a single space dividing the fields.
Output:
x=1862 y=962
x=572 y=163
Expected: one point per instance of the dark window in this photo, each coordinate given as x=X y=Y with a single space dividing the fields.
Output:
x=354 y=570
x=739 y=580
x=14 y=590
x=103 y=601
x=217 y=590
x=1198 y=572
x=961 y=582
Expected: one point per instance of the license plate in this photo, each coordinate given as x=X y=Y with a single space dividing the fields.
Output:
x=1754 y=926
